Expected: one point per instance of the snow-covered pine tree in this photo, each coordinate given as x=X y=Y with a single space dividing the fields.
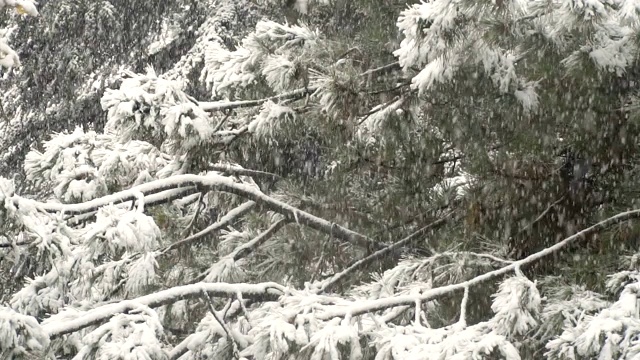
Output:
x=318 y=189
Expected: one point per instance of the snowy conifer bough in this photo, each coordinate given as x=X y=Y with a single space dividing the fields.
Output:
x=257 y=220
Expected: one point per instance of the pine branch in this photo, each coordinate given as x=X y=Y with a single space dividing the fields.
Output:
x=292 y=95
x=229 y=105
x=223 y=222
x=327 y=284
x=212 y=182
x=542 y=215
x=189 y=226
x=263 y=291
x=246 y=249
x=369 y=306
x=224 y=326
x=233 y=170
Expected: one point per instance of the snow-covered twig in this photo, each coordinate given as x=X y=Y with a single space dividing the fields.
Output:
x=183 y=346
x=463 y=307
x=58 y=325
x=474 y=254
x=159 y=198
x=364 y=307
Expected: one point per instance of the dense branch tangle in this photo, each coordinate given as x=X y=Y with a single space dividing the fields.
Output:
x=273 y=291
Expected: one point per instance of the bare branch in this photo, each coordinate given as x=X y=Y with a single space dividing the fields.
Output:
x=54 y=327
x=364 y=307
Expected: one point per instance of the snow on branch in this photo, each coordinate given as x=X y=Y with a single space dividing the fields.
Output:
x=158 y=110
x=229 y=105
x=65 y=323
x=217 y=183
x=20 y=335
x=369 y=306
x=291 y=95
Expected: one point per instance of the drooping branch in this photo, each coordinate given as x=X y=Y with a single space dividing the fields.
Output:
x=327 y=284
x=369 y=306
x=56 y=327
x=158 y=198
x=213 y=182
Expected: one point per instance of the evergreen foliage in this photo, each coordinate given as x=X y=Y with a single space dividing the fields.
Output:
x=319 y=179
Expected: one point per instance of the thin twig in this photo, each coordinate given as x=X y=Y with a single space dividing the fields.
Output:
x=326 y=285
x=247 y=248
x=243 y=307
x=189 y=226
x=316 y=268
x=222 y=122
x=384 y=68
x=228 y=169
x=223 y=222
x=212 y=310
x=399 y=86
x=542 y=215
x=469 y=253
